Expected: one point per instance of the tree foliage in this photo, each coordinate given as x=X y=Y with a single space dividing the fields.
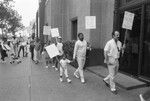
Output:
x=10 y=20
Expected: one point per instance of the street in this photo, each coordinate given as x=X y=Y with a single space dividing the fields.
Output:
x=28 y=81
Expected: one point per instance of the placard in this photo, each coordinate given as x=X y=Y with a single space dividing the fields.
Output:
x=128 y=20
x=55 y=32
x=52 y=50
x=46 y=30
x=90 y=22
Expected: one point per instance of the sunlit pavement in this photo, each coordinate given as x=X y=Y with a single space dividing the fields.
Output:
x=28 y=81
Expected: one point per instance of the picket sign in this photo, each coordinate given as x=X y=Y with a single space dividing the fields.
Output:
x=127 y=24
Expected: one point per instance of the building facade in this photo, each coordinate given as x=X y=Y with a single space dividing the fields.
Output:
x=69 y=17
x=135 y=60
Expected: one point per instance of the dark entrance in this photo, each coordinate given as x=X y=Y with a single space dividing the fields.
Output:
x=74 y=29
x=145 y=69
x=129 y=60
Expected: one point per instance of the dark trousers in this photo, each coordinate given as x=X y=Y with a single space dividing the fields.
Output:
x=3 y=55
x=56 y=61
x=21 y=48
x=146 y=95
x=32 y=52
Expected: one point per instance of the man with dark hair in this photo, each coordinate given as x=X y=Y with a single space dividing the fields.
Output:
x=111 y=54
x=80 y=54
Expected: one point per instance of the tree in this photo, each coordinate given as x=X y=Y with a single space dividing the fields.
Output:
x=10 y=20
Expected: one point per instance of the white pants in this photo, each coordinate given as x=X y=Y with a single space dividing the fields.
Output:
x=81 y=63
x=63 y=70
x=113 y=70
x=37 y=55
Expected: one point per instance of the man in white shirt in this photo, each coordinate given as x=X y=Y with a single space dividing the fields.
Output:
x=80 y=54
x=111 y=54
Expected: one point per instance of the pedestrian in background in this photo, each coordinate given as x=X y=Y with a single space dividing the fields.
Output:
x=3 y=50
x=80 y=55
x=63 y=68
x=37 y=48
x=111 y=54
x=15 y=43
x=21 y=46
x=145 y=96
x=32 y=41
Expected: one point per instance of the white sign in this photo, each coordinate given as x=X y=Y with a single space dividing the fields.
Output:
x=55 y=32
x=52 y=50
x=7 y=47
x=90 y=22
x=128 y=20
x=46 y=30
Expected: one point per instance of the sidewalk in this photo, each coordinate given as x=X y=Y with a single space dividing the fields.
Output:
x=122 y=80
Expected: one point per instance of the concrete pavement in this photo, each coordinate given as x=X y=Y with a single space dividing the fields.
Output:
x=30 y=82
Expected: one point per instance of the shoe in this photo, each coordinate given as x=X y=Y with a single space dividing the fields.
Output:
x=61 y=80
x=53 y=66
x=141 y=97
x=68 y=80
x=106 y=83
x=114 y=92
x=56 y=68
x=46 y=66
x=76 y=75
x=82 y=80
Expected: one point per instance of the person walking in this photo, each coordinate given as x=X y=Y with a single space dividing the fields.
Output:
x=46 y=56
x=37 y=50
x=63 y=68
x=112 y=51
x=15 y=43
x=145 y=96
x=3 y=50
x=21 y=47
x=32 y=41
x=80 y=55
x=59 y=46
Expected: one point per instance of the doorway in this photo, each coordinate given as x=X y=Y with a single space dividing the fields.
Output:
x=74 y=29
x=129 y=60
x=145 y=69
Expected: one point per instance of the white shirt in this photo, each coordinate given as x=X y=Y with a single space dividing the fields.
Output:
x=111 y=48
x=80 y=49
x=64 y=62
x=60 y=47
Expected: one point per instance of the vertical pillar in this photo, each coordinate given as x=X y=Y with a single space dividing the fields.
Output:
x=116 y=25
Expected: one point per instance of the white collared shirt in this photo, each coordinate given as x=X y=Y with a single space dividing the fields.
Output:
x=111 y=48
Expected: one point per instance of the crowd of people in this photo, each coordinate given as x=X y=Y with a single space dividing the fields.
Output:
x=112 y=51
x=12 y=48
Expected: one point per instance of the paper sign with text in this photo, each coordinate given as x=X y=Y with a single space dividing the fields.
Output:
x=55 y=32
x=47 y=30
x=128 y=20
x=52 y=50
x=90 y=22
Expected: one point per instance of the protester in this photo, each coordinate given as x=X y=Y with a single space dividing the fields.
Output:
x=63 y=68
x=46 y=56
x=37 y=50
x=111 y=54
x=80 y=54
x=145 y=96
x=59 y=45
